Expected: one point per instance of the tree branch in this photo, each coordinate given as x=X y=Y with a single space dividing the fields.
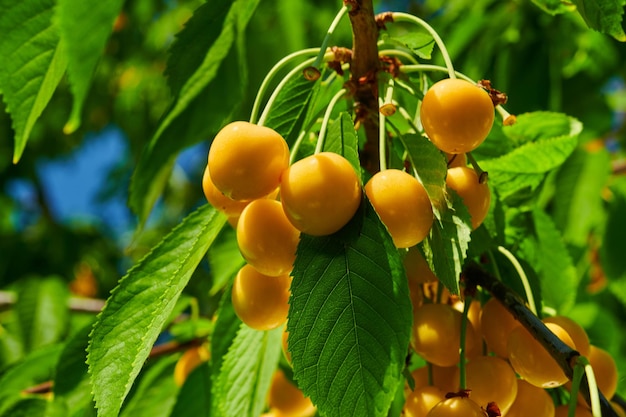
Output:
x=364 y=75
x=564 y=355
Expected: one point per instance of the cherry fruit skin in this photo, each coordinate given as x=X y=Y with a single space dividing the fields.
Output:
x=402 y=204
x=320 y=193
x=457 y=115
x=246 y=160
x=266 y=238
x=261 y=301
x=475 y=195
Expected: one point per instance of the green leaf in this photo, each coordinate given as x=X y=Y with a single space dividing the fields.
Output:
x=138 y=307
x=419 y=41
x=445 y=248
x=34 y=369
x=35 y=407
x=532 y=127
x=33 y=63
x=156 y=391
x=84 y=29
x=430 y=167
x=555 y=7
x=603 y=15
x=341 y=138
x=71 y=383
x=290 y=108
x=194 y=396
x=577 y=208
x=349 y=318
x=527 y=165
x=224 y=259
x=225 y=330
x=216 y=88
x=246 y=372
x=42 y=311
x=559 y=280
x=611 y=250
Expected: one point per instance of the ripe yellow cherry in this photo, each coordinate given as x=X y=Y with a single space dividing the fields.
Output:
x=457 y=115
x=246 y=160
x=491 y=379
x=228 y=206
x=496 y=323
x=531 y=401
x=190 y=359
x=575 y=330
x=402 y=204
x=563 y=411
x=320 y=193
x=436 y=334
x=261 y=301
x=475 y=195
x=532 y=361
x=419 y=402
x=287 y=399
x=604 y=369
x=457 y=407
x=266 y=238
x=417 y=269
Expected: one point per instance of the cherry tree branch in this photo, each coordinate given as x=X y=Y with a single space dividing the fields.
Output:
x=364 y=75
x=565 y=356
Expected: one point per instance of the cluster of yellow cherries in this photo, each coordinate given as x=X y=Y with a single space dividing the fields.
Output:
x=505 y=365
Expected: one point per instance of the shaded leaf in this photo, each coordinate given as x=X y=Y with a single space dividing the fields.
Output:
x=559 y=279
x=341 y=138
x=155 y=394
x=555 y=7
x=42 y=311
x=34 y=369
x=611 y=251
x=445 y=248
x=224 y=259
x=290 y=108
x=349 y=318
x=71 y=384
x=430 y=167
x=194 y=396
x=84 y=29
x=246 y=372
x=35 y=407
x=226 y=328
x=138 y=307
x=603 y=15
x=419 y=41
x=33 y=63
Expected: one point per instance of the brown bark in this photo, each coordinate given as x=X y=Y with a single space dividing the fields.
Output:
x=364 y=71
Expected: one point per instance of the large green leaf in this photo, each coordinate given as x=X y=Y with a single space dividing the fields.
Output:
x=139 y=306
x=445 y=248
x=225 y=330
x=156 y=391
x=209 y=96
x=224 y=259
x=341 y=138
x=559 y=280
x=33 y=63
x=35 y=407
x=612 y=256
x=84 y=27
x=531 y=127
x=246 y=372
x=350 y=318
x=430 y=167
x=42 y=311
x=417 y=40
x=604 y=16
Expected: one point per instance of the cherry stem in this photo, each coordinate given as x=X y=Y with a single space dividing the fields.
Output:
x=522 y=276
x=331 y=106
x=382 y=139
x=564 y=355
x=270 y=75
x=399 y=17
x=464 y=324
x=329 y=34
